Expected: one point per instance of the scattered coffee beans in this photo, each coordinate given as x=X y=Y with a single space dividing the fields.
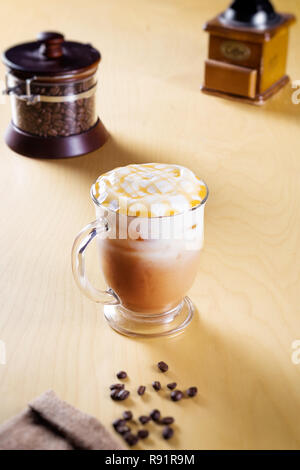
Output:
x=143 y=433
x=176 y=395
x=131 y=439
x=163 y=366
x=141 y=390
x=122 y=374
x=156 y=385
x=144 y=419
x=155 y=415
x=172 y=385
x=118 y=392
x=117 y=386
x=127 y=415
x=192 y=391
x=167 y=420
x=167 y=432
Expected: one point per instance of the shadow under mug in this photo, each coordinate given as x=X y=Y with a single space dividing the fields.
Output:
x=149 y=264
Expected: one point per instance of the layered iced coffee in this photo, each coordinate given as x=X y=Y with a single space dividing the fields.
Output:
x=150 y=254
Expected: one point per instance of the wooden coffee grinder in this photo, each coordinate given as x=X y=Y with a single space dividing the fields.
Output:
x=248 y=46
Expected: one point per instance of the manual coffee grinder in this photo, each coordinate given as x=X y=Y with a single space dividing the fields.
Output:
x=248 y=47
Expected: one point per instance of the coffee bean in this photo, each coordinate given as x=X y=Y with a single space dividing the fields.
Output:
x=55 y=90
x=114 y=394
x=70 y=113
x=192 y=391
x=155 y=415
x=56 y=116
x=172 y=385
x=163 y=366
x=144 y=419
x=167 y=420
x=69 y=120
x=118 y=422
x=131 y=439
x=167 y=432
x=127 y=415
x=176 y=395
x=117 y=386
x=122 y=374
x=156 y=385
x=123 y=429
x=122 y=395
x=141 y=390
x=143 y=433
x=69 y=91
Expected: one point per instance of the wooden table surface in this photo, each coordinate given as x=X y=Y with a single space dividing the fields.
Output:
x=238 y=350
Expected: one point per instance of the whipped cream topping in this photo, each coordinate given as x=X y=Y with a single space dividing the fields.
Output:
x=149 y=190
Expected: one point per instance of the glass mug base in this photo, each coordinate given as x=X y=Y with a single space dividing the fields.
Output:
x=140 y=325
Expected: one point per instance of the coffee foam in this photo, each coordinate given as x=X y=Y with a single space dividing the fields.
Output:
x=149 y=190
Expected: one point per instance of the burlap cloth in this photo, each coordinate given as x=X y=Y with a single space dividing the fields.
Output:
x=52 y=424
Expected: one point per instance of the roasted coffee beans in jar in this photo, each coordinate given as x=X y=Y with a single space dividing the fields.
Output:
x=54 y=109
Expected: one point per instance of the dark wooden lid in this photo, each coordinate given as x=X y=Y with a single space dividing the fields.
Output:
x=51 y=55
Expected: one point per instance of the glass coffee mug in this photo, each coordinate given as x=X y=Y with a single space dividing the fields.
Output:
x=149 y=264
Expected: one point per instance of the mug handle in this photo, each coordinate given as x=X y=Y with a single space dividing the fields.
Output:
x=81 y=242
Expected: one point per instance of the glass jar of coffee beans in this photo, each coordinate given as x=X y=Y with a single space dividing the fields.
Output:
x=52 y=86
x=53 y=109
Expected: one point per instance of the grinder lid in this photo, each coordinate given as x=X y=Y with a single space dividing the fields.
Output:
x=51 y=55
x=250 y=13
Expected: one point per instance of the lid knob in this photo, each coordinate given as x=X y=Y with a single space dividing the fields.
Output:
x=51 y=44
